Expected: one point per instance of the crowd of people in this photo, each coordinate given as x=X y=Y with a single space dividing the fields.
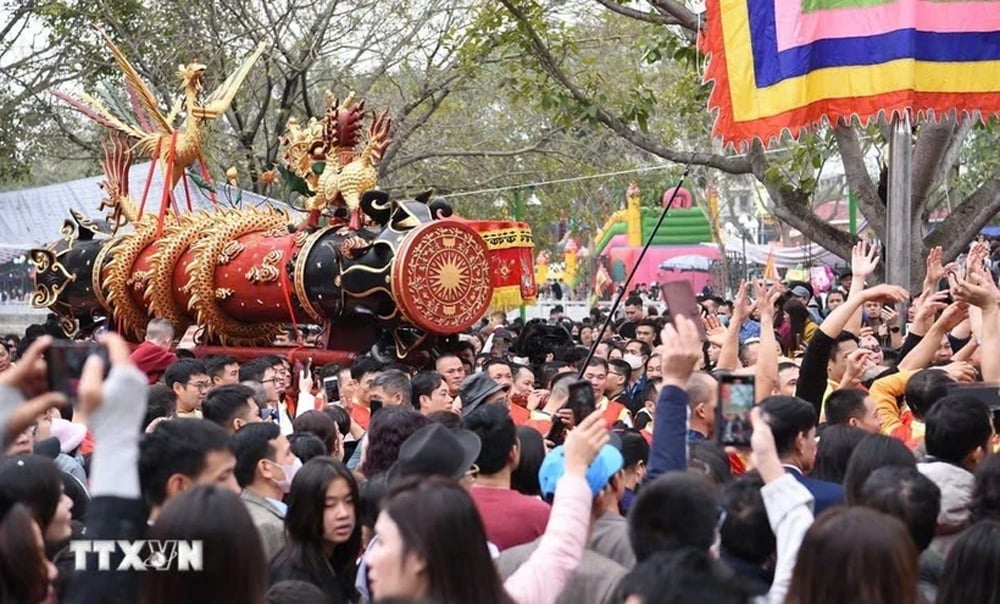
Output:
x=870 y=475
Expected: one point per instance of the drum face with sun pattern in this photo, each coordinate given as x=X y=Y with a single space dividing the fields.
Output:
x=440 y=277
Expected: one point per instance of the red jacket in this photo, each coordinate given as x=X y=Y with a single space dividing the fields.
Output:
x=152 y=360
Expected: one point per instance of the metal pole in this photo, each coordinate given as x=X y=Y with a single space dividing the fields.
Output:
x=900 y=202
x=900 y=215
x=635 y=268
x=518 y=212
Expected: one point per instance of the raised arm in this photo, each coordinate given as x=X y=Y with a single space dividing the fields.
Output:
x=864 y=261
x=729 y=356
x=979 y=290
x=766 y=371
x=923 y=353
x=680 y=352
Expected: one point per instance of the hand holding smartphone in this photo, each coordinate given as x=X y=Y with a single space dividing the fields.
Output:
x=581 y=400
x=680 y=299
x=737 y=394
x=64 y=363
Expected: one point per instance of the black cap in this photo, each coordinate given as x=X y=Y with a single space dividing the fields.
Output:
x=436 y=451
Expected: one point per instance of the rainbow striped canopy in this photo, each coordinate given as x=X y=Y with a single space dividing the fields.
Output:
x=791 y=64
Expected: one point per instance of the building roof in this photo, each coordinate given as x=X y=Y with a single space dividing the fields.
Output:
x=32 y=217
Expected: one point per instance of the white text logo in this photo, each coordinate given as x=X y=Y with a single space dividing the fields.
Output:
x=137 y=555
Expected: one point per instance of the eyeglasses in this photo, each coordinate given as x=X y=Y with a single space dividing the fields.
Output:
x=200 y=385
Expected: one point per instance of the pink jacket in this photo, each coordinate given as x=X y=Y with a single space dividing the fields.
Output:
x=542 y=578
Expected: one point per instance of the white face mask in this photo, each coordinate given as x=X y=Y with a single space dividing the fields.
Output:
x=290 y=470
x=632 y=360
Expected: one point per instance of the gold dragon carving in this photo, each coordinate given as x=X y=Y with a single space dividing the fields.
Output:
x=332 y=142
x=204 y=295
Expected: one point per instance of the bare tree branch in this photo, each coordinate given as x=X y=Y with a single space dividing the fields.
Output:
x=975 y=211
x=685 y=18
x=860 y=182
x=936 y=152
x=656 y=18
x=732 y=165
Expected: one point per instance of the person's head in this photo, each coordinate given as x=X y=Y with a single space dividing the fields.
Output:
x=834 y=299
x=703 y=397
x=6 y=357
x=633 y=309
x=855 y=554
x=749 y=351
x=160 y=332
x=654 y=366
x=451 y=367
x=223 y=369
x=363 y=371
x=264 y=459
x=925 y=388
x=788 y=378
x=645 y=331
x=596 y=373
x=499 y=371
x=635 y=452
x=391 y=387
x=959 y=430
x=25 y=573
x=430 y=393
x=305 y=446
x=745 y=532
x=973 y=565
x=524 y=381
x=586 y=335
x=707 y=459
x=618 y=376
x=834 y=452
x=190 y=382
x=873 y=452
x=844 y=345
x=903 y=492
x=183 y=453
x=388 y=430
x=219 y=520
x=674 y=511
x=321 y=425
x=852 y=407
x=986 y=494
x=162 y=403
x=524 y=478
x=793 y=422
x=682 y=576
x=870 y=343
x=322 y=520
x=231 y=406
x=295 y=592
x=500 y=450
x=35 y=481
x=416 y=553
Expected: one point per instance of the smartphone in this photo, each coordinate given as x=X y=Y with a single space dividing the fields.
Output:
x=581 y=400
x=732 y=418
x=680 y=299
x=331 y=387
x=64 y=361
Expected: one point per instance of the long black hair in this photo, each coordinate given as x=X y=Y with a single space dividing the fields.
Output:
x=304 y=522
x=438 y=521
x=219 y=519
